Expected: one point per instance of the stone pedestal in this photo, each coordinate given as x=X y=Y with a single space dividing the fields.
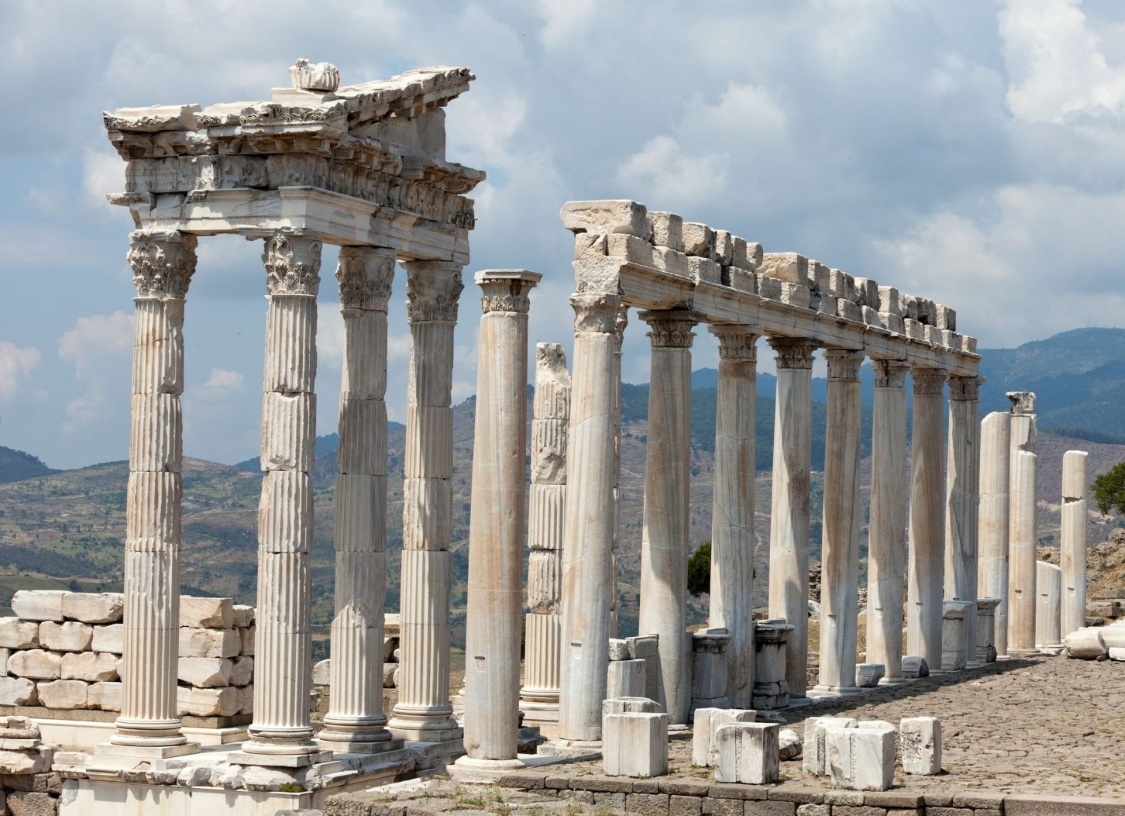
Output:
x=921 y=745
x=789 y=513
x=705 y=725
x=962 y=502
x=886 y=565
x=955 y=635
x=710 y=672
x=732 y=519
x=747 y=753
x=496 y=534
x=992 y=574
x=927 y=518
x=423 y=712
x=1073 y=543
x=664 y=534
x=862 y=758
x=986 y=629
x=771 y=688
x=1022 y=538
x=1048 y=607
x=840 y=548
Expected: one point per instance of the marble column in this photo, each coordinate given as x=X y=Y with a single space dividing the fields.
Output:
x=992 y=575
x=732 y=516
x=539 y=697
x=614 y=599
x=283 y=645
x=839 y=585
x=1073 y=544
x=664 y=532
x=886 y=547
x=495 y=587
x=162 y=263
x=1022 y=538
x=355 y=722
x=423 y=712
x=962 y=502
x=789 y=506
x=927 y=518
x=1048 y=604
x=590 y=518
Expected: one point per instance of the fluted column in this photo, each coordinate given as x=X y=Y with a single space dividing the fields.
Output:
x=992 y=575
x=963 y=502
x=927 y=518
x=732 y=515
x=423 y=712
x=664 y=533
x=495 y=589
x=789 y=507
x=355 y=722
x=619 y=327
x=1073 y=543
x=1022 y=538
x=839 y=583
x=590 y=518
x=539 y=697
x=886 y=557
x=162 y=263
x=283 y=646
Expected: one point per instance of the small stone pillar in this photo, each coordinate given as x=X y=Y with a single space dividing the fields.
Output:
x=705 y=726
x=927 y=518
x=1073 y=545
x=963 y=501
x=789 y=510
x=710 y=672
x=1048 y=606
x=986 y=629
x=496 y=532
x=954 y=635
x=992 y=574
x=747 y=753
x=921 y=745
x=665 y=528
x=771 y=688
x=815 y=751
x=636 y=738
x=1022 y=537
x=862 y=758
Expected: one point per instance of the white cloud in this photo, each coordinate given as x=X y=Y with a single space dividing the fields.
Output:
x=16 y=364
x=83 y=412
x=564 y=19
x=94 y=339
x=103 y=172
x=224 y=381
x=663 y=172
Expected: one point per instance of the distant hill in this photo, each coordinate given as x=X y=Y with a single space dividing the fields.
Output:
x=16 y=465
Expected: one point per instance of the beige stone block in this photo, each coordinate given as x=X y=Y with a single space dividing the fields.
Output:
x=788 y=267
x=849 y=310
x=889 y=301
x=945 y=317
x=247 y=639
x=794 y=294
x=768 y=288
x=920 y=738
x=747 y=753
x=69 y=636
x=35 y=664
x=914 y=330
x=815 y=757
x=38 y=605
x=18 y=634
x=209 y=642
x=109 y=638
x=867 y=292
x=747 y=254
x=630 y=248
x=699 y=240
x=17 y=691
x=841 y=285
x=242 y=672
x=606 y=217
x=724 y=247
x=968 y=344
x=704 y=270
x=635 y=744
x=246 y=700
x=63 y=694
x=931 y=334
x=210 y=702
x=741 y=279
x=671 y=262
x=206 y=613
x=862 y=758
x=94 y=607
x=23 y=761
x=872 y=317
x=205 y=672
x=667 y=230
x=1086 y=644
x=104 y=696
x=243 y=615
x=89 y=666
x=818 y=278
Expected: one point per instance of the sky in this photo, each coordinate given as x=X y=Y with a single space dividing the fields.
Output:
x=969 y=151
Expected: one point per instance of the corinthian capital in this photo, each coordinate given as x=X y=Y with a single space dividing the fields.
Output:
x=736 y=343
x=596 y=312
x=162 y=262
x=365 y=275
x=432 y=291
x=671 y=328
x=890 y=373
x=928 y=381
x=292 y=264
x=506 y=290
x=965 y=388
x=843 y=364
x=793 y=352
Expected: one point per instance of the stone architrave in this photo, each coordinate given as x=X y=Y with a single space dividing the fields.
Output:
x=927 y=518
x=496 y=534
x=163 y=264
x=840 y=547
x=1073 y=544
x=992 y=574
x=789 y=513
x=664 y=535
x=732 y=517
x=539 y=697
x=355 y=722
x=962 y=502
x=1048 y=604
x=1023 y=541
x=886 y=565
x=423 y=712
x=590 y=518
x=283 y=641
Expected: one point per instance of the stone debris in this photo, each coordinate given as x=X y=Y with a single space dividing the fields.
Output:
x=1086 y=644
x=914 y=667
x=868 y=675
x=788 y=744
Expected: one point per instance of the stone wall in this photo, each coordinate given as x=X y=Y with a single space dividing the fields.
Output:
x=61 y=654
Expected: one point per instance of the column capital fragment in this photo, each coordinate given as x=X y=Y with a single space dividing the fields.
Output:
x=433 y=290
x=890 y=373
x=596 y=312
x=292 y=262
x=162 y=262
x=506 y=290
x=793 y=352
x=965 y=388
x=1023 y=402
x=671 y=328
x=843 y=364
x=366 y=275
x=737 y=342
x=928 y=381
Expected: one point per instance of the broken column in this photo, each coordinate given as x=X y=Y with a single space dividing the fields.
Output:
x=962 y=502
x=1048 y=606
x=886 y=565
x=732 y=519
x=1023 y=541
x=986 y=629
x=1073 y=544
x=771 y=689
x=495 y=585
x=955 y=635
x=789 y=513
x=992 y=571
x=710 y=672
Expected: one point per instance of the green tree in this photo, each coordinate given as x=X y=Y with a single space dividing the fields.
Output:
x=699 y=570
x=1109 y=489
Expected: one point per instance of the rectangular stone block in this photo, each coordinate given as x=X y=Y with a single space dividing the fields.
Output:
x=635 y=744
x=862 y=758
x=872 y=317
x=849 y=310
x=35 y=664
x=206 y=613
x=94 y=607
x=242 y=671
x=209 y=642
x=866 y=292
x=630 y=249
x=889 y=301
x=768 y=288
x=670 y=262
x=893 y=323
x=920 y=738
x=704 y=270
x=16 y=691
x=868 y=675
x=18 y=634
x=706 y=724
x=109 y=638
x=629 y=705
x=699 y=240
x=222 y=702
x=38 y=604
x=945 y=317
x=794 y=294
x=104 y=696
x=914 y=330
x=606 y=217
x=747 y=753
x=243 y=615
x=741 y=279
x=618 y=650
x=89 y=666
x=62 y=693
x=205 y=672
x=788 y=267
x=724 y=247
x=626 y=678
x=931 y=334
x=968 y=344
x=69 y=636
x=647 y=648
x=815 y=755
x=818 y=278
x=667 y=230
x=747 y=254
x=246 y=637
x=841 y=285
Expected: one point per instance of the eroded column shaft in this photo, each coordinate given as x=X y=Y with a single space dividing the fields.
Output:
x=1023 y=541
x=1073 y=543
x=962 y=502
x=992 y=575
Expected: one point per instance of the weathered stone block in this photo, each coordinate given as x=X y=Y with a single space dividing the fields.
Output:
x=841 y=285
x=32 y=760
x=868 y=675
x=70 y=636
x=785 y=266
x=39 y=604
x=630 y=705
x=205 y=672
x=849 y=310
x=866 y=292
x=667 y=230
x=89 y=666
x=242 y=672
x=626 y=678
x=741 y=279
x=920 y=738
x=35 y=664
x=788 y=744
x=18 y=634
x=815 y=752
x=670 y=262
x=862 y=758
x=643 y=646
x=747 y=255
x=209 y=642
x=243 y=615
x=606 y=217
x=747 y=753
x=635 y=744
x=109 y=639
x=94 y=607
x=206 y=613
x=698 y=240
x=724 y=247
x=704 y=270
x=630 y=248
x=62 y=693
x=221 y=702
x=104 y=696
x=246 y=700
x=322 y=673
x=247 y=636
x=618 y=650
x=914 y=666
x=17 y=691
x=705 y=724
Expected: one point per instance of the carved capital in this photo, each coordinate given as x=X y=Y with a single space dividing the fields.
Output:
x=671 y=328
x=843 y=364
x=793 y=352
x=965 y=388
x=736 y=343
x=292 y=264
x=1023 y=402
x=162 y=262
x=621 y=324
x=890 y=373
x=365 y=275
x=506 y=290
x=596 y=312
x=433 y=291
x=928 y=381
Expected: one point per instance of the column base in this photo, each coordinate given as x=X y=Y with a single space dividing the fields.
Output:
x=113 y=749
x=286 y=747
x=834 y=691
x=147 y=733
x=572 y=749
x=893 y=681
x=279 y=760
x=357 y=735
x=425 y=724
